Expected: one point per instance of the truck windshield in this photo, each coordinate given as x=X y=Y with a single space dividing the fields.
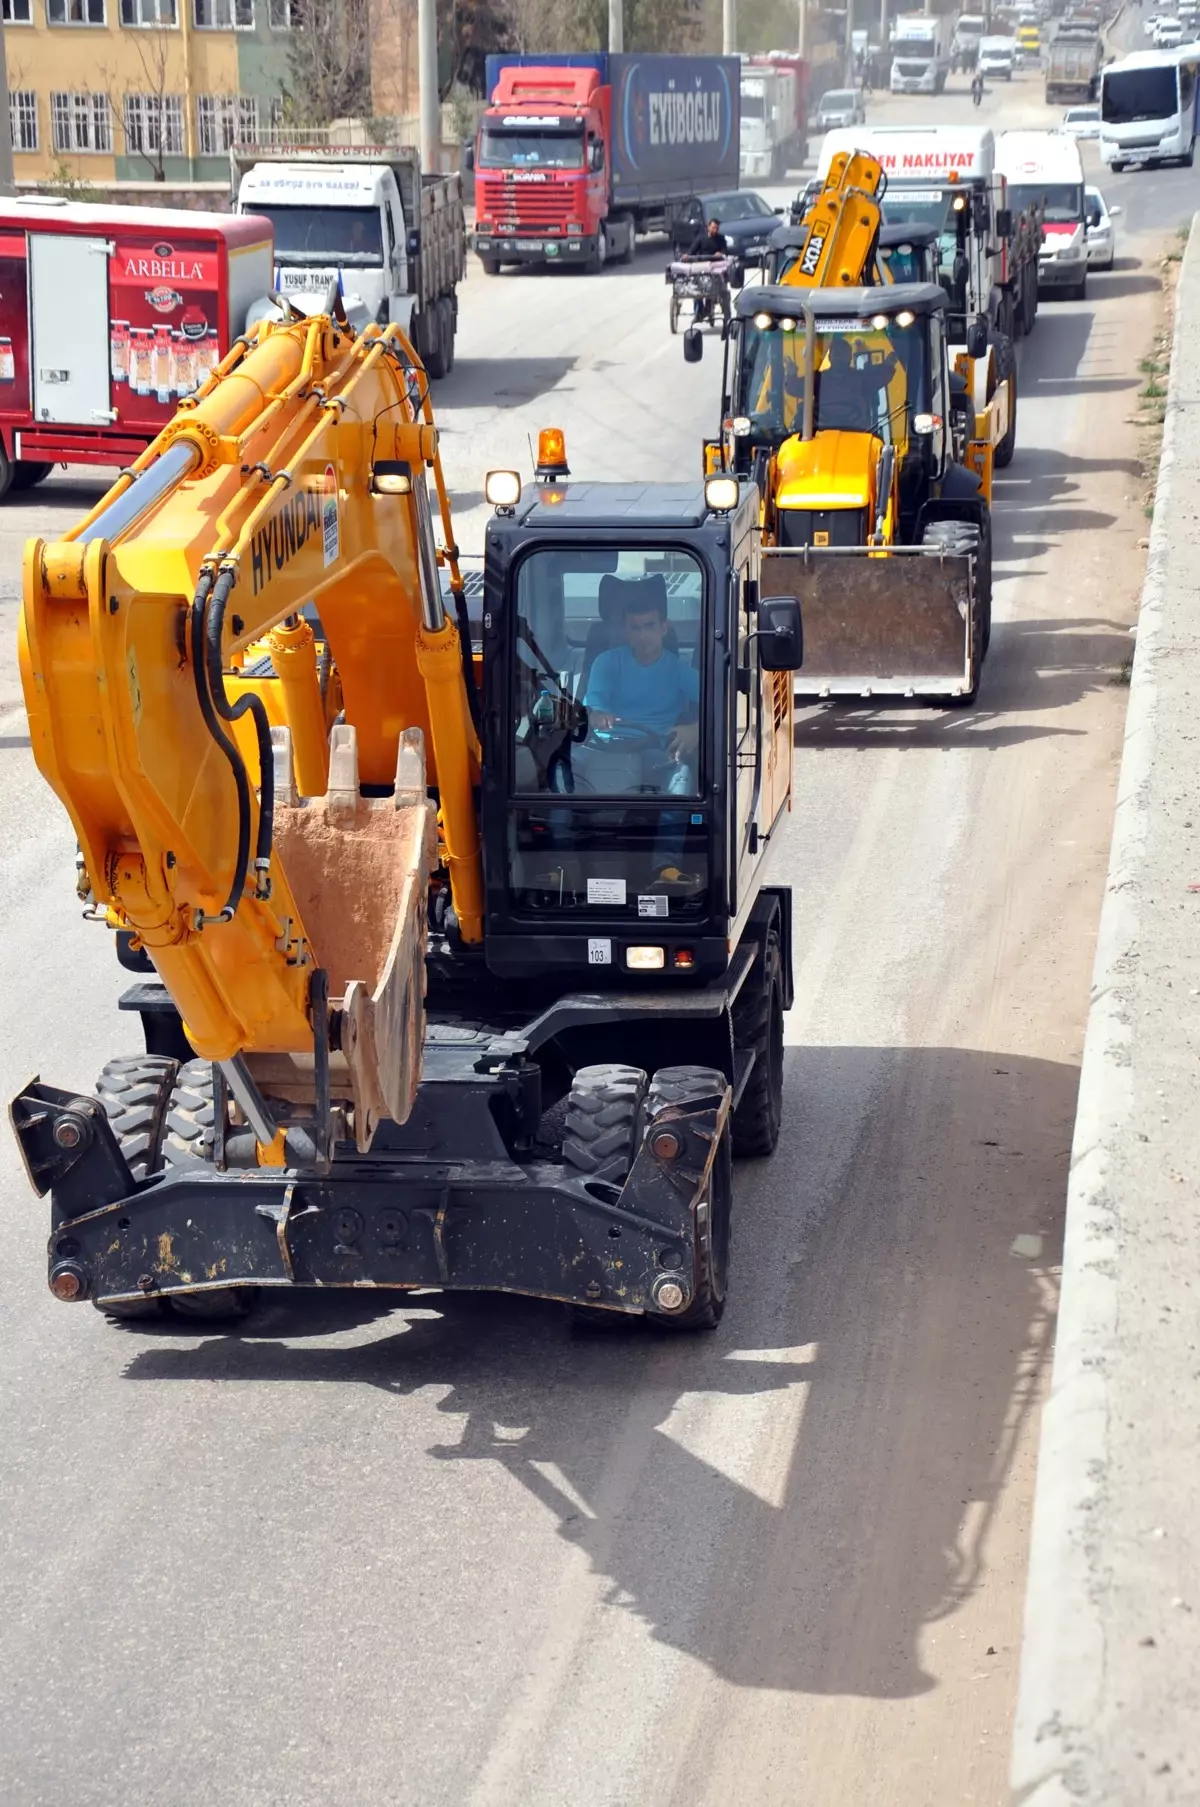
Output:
x=530 y=147
x=344 y=235
x=753 y=104
x=1133 y=94
x=922 y=206
x=918 y=48
x=869 y=379
x=606 y=704
x=1062 y=201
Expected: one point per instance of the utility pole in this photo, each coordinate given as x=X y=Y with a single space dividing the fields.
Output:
x=802 y=43
x=848 y=47
x=427 y=82
x=616 y=24
x=883 y=24
x=7 y=185
x=728 y=27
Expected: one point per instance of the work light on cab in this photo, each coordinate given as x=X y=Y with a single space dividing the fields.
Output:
x=552 y=454
x=391 y=477
x=502 y=488
x=721 y=493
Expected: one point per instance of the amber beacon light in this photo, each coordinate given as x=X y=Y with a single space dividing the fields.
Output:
x=552 y=454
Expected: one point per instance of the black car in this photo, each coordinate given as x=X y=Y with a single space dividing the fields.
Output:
x=744 y=217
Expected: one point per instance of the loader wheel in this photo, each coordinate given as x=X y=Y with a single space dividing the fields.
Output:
x=956 y=538
x=679 y=1085
x=603 y=1121
x=758 y=1027
x=135 y=1092
x=1006 y=367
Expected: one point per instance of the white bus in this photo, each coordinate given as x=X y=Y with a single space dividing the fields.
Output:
x=1148 y=108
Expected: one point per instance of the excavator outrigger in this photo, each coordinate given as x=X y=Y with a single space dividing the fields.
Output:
x=451 y=974
x=839 y=399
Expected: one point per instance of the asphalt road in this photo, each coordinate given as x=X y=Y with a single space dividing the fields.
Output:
x=452 y=1553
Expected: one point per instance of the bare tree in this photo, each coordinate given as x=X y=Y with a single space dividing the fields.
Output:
x=329 y=54
x=147 y=110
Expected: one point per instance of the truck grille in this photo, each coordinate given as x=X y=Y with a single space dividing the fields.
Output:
x=526 y=204
x=822 y=526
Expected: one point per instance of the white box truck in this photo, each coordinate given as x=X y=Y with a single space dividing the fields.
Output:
x=366 y=219
x=920 y=54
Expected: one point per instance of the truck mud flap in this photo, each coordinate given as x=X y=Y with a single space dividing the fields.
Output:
x=894 y=622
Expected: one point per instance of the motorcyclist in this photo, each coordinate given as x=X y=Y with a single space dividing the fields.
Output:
x=710 y=242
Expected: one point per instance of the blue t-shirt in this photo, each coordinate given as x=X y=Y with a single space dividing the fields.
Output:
x=652 y=696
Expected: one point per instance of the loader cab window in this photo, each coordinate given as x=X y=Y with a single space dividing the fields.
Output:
x=607 y=689
x=868 y=379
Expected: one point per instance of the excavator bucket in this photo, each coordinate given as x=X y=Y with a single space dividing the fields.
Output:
x=359 y=870
x=895 y=621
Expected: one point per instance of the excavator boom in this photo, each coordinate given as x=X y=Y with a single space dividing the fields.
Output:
x=236 y=670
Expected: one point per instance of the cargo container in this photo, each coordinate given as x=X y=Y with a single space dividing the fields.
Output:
x=108 y=316
x=576 y=154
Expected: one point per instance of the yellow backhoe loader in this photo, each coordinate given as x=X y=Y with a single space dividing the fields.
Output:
x=454 y=951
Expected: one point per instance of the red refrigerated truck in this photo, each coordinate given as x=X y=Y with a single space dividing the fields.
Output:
x=108 y=316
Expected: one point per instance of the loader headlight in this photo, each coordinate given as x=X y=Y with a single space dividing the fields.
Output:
x=503 y=488
x=764 y=322
x=924 y=424
x=905 y=317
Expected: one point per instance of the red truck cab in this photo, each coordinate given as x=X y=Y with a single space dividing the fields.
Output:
x=542 y=183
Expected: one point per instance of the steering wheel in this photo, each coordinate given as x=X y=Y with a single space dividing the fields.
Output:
x=628 y=737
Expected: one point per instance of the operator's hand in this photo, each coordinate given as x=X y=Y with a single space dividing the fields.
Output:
x=598 y=719
x=683 y=743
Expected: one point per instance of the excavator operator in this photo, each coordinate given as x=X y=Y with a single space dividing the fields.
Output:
x=644 y=684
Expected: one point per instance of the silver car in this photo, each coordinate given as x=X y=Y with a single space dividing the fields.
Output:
x=1101 y=233
x=1082 y=122
x=841 y=107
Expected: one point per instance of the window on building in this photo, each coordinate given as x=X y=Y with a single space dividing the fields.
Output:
x=223 y=15
x=154 y=124
x=225 y=120
x=282 y=14
x=23 y=119
x=80 y=122
x=148 y=12
x=18 y=12
x=75 y=12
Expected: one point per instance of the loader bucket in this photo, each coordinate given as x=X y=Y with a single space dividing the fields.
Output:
x=893 y=621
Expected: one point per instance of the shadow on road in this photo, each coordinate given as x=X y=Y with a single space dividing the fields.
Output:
x=1032 y=666
x=478 y=382
x=887 y=1335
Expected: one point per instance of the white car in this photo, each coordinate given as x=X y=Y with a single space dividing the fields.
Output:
x=1101 y=233
x=1082 y=122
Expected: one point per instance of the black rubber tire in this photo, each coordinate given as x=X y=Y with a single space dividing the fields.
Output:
x=674 y=1086
x=188 y=1142
x=434 y=356
x=7 y=467
x=28 y=471
x=490 y=266
x=626 y=256
x=1006 y=367
x=446 y=316
x=190 y=1117
x=758 y=1024
x=674 y=315
x=603 y=1131
x=135 y=1091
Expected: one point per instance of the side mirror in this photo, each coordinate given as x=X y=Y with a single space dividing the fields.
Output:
x=693 y=345
x=468 y=157
x=1114 y=211
x=977 y=337
x=413 y=243
x=778 y=210
x=595 y=155
x=780 y=634
x=1004 y=222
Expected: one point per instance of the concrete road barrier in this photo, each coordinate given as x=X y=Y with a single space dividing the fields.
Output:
x=1109 y=1701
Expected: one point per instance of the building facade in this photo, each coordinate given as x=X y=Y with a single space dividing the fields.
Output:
x=104 y=91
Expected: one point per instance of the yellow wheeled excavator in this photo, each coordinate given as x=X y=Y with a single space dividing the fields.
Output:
x=453 y=945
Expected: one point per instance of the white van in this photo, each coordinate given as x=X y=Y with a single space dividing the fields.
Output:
x=996 y=57
x=1045 y=168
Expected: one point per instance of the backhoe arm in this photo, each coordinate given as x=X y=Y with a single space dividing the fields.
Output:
x=843 y=227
